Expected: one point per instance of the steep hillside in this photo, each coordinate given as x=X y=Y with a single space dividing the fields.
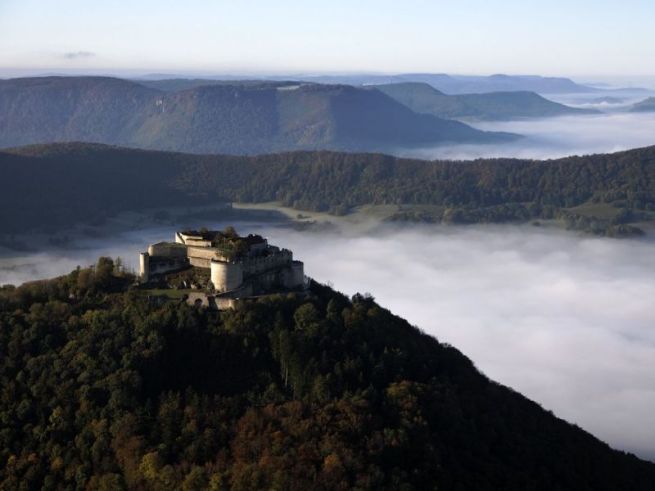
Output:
x=105 y=389
x=54 y=109
x=56 y=185
x=221 y=118
x=423 y=98
x=257 y=119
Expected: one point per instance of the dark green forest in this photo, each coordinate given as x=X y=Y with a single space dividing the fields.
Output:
x=47 y=187
x=104 y=389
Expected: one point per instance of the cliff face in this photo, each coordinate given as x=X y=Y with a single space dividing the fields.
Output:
x=283 y=392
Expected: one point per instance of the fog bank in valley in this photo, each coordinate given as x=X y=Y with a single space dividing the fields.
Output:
x=565 y=319
x=555 y=137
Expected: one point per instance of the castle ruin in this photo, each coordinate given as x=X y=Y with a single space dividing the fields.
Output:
x=238 y=266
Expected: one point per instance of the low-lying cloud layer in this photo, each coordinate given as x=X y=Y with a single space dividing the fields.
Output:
x=555 y=137
x=565 y=319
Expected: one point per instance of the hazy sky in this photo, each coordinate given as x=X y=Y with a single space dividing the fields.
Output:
x=581 y=38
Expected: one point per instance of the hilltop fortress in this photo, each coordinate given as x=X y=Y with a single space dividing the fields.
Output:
x=238 y=266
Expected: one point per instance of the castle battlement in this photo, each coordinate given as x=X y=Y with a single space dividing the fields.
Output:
x=240 y=266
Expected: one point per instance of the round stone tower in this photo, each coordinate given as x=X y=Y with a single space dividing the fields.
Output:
x=144 y=266
x=226 y=276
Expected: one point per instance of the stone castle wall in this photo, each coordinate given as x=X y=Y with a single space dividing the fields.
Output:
x=144 y=266
x=167 y=249
x=297 y=275
x=256 y=271
x=202 y=252
x=258 y=265
x=191 y=240
x=200 y=262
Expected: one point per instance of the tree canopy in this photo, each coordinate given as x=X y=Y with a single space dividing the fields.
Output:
x=104 y=389
x=57 y=185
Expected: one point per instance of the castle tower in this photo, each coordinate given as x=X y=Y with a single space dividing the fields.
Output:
x=297 y=274
x=144 y=266
x=226 y=276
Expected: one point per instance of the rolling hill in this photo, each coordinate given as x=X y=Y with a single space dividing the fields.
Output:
x=423 y=98
x=220 y=118
x=46 y=187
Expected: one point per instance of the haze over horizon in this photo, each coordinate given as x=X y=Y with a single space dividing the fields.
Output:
x=204 y=38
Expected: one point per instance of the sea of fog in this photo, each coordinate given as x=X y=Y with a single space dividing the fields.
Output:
x=550 y=138
x=563 y=318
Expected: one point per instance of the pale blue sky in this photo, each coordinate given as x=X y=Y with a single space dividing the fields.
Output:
x=582 y=38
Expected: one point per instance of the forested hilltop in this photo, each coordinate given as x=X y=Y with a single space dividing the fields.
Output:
x=103 y=389
x=235 y=118
x=52 y=186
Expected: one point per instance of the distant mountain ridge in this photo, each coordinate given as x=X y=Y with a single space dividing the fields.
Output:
x=647 y=105
x=241 y=118
x=471 y=84
x=450 y=84
x=423 y=98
